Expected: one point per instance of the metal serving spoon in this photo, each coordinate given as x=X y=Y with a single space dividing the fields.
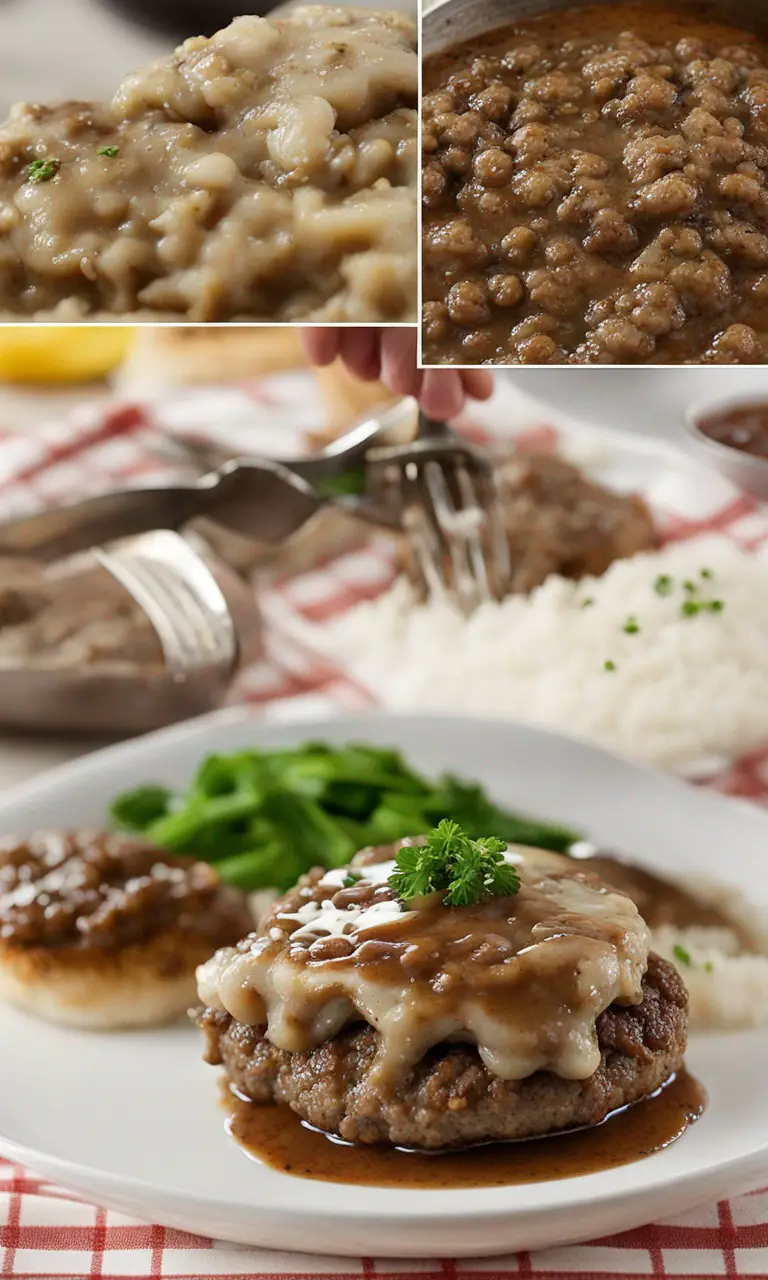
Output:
x=260 y=499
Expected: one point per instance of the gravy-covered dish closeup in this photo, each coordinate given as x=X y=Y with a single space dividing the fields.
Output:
x=594 y=190
x=377 y=1012
x=265 y=173
x=104 y=931
x=448 y=992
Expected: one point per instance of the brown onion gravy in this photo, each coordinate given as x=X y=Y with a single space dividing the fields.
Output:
x=524 y=976
x=274 y=1135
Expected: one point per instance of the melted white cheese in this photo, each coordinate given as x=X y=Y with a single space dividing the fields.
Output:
x=524 y=978
x=324 y=920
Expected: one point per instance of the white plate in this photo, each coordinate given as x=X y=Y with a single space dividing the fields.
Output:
x=132 y=1121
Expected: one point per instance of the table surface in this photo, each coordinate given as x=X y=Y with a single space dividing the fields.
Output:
x=23 y=409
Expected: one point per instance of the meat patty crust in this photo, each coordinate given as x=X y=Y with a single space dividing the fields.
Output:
x=450 y=1099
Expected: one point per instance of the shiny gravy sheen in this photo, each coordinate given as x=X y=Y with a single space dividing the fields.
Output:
x=274 y=1136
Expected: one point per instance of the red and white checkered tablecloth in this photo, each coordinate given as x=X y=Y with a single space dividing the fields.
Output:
x=46 y=1231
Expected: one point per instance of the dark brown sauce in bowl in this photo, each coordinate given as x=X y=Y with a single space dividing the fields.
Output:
x=594 y=189
x=275 y=1136
x=743 y=427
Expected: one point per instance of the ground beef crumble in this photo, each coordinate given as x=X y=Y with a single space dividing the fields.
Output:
x=595 y=192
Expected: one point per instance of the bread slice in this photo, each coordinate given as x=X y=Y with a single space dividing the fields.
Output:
x=195 y=355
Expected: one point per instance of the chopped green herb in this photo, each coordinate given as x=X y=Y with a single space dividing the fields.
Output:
x=108 y=151
x=631 y=626
x=351 y=878
x=663 y=584
x=690 y=608
x=43 y=170
x=586 y=603
x=682 y=955
x=690 y=587
x=350 y=484
x=463 y=870
x=609 y=665
x=706 y=573
x=708 y=967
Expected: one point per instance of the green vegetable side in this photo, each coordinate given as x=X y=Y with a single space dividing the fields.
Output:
x=263 y=818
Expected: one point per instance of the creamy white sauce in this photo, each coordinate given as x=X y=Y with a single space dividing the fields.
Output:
x=371 y=873
x=324 y=920
x=561 y=951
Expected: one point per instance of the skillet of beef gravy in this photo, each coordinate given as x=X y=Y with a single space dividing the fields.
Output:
x=274 y=1136
x=594 y=191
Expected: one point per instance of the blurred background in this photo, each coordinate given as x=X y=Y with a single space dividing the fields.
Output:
x=48 y=371
x=87 y=409
x=45 y=371
x=58 y=49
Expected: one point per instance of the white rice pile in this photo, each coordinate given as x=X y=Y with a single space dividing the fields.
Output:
x=728 y=987
x=615 y=659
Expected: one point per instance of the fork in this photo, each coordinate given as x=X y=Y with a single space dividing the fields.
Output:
x=182 y=600
x=451 y=513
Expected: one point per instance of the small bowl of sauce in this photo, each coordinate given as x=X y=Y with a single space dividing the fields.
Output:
x=732 y=434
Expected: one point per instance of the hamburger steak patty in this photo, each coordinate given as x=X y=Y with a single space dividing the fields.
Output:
x=450 y=1099
x=104 y=890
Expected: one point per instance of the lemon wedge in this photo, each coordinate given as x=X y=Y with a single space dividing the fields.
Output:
x=67 y=353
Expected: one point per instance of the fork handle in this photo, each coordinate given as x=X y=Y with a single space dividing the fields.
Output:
x=431 y=427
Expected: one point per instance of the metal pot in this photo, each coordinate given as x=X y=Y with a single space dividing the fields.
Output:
x=453 y=21
x=111 y=691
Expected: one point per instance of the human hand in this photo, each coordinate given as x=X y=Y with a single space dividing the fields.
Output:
x=390 y=354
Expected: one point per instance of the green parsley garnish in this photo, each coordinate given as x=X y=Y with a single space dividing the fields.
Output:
x=706 y=573
x=108 y=151
x=690 y=587
x=351 y=878
x=708 y=967
x=663 y=585
x=609 y=665
x=681 y=954
x=690 y=608
x=586 y=603
x=43 y=170
x=631 y=626
x=463 y=870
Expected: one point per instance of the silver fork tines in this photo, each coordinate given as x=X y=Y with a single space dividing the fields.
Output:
x=181 y=598
x=461 y=527
x=451 y=515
